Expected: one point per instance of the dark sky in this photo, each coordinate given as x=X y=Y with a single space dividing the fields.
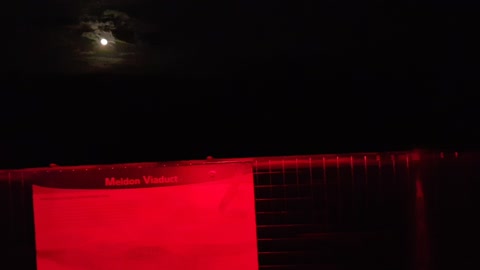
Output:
x=187 y=79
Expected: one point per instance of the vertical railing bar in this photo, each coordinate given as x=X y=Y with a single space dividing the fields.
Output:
x=339 y=193
x=325 y=192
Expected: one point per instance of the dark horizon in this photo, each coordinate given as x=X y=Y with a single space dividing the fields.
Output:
x=184 y=80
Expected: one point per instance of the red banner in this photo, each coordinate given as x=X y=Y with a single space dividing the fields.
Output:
x=192 y=217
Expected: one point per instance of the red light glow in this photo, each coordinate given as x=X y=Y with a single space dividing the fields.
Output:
x=209 y=224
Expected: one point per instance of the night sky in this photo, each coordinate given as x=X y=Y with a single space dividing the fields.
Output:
x=187 y=79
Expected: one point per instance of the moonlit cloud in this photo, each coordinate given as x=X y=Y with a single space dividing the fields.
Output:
x=105 y=26
x=97 y=35
x=73 y=45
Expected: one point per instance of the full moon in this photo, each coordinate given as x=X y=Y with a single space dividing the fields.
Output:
x=103 y=41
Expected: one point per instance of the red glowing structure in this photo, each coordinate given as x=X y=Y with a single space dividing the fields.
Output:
x=365 y=210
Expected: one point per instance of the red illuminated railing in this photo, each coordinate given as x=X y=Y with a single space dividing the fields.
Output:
x=337 y=210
